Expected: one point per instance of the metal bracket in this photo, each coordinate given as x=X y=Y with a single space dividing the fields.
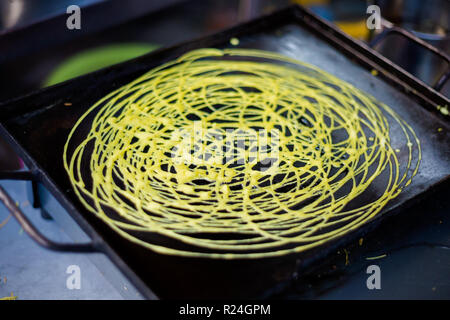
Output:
x=402 y=32
x=26 y=224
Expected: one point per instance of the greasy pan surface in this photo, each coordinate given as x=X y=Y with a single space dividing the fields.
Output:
x=40 y=124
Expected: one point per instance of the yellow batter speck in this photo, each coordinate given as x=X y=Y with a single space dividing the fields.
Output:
x=234 y=41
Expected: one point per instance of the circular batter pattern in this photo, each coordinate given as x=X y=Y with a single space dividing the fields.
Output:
x=238 y=153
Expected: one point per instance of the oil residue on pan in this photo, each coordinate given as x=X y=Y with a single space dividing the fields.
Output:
x=238 y=153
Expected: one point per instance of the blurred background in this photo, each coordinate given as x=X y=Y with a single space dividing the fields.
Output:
x=36 y=51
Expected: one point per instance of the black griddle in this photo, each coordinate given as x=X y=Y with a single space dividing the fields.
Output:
x=37 y=126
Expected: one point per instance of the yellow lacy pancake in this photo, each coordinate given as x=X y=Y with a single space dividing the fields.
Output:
x=238 y=153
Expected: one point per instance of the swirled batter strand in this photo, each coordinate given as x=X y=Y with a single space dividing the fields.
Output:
x=238 y=153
